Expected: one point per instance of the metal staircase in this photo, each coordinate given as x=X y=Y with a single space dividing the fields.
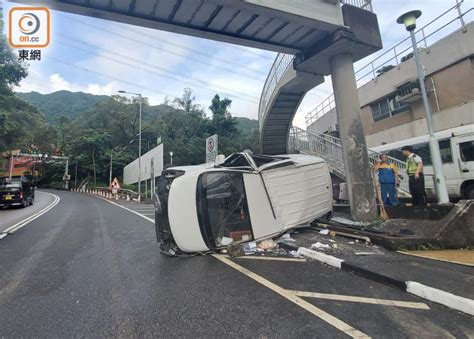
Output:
x=330 y=149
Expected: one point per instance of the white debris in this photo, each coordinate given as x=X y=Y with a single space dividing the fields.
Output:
x=324 y=231
x=226 y=241
x=287 y=237
x=320 y=246
x=364 y=253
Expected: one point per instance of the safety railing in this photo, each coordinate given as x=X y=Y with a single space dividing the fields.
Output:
x=397 y=54
x=364 y=4
x=330 y=149
x=279 y=67
x=112 y=194
x=283 y=61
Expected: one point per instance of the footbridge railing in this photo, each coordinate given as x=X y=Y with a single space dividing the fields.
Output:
x=330 y=149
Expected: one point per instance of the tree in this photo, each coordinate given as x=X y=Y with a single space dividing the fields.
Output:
x=222 y=121
x=11 y=70
x=186 y=103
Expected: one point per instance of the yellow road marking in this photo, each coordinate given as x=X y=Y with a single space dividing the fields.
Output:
x=407 y=304
x=333 y=321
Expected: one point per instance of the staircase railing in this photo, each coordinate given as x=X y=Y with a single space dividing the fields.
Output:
x=330 y=149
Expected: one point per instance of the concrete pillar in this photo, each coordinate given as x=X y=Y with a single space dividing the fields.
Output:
x=356 y=160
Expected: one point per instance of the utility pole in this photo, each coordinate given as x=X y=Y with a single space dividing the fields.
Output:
x=409 y=20
x=66 y=175
x=11 y=167
x=110 y=169
x=75 y=178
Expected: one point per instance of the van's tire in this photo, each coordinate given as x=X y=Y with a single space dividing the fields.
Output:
x=469 y=192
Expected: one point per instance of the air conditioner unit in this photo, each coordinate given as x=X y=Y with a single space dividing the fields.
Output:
x=408 y=95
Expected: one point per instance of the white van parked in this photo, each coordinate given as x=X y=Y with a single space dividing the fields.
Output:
x=457 y=154
x=245 y=197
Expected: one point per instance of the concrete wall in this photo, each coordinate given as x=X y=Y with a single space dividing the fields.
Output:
x=449 y=67
x=130 y=172
x=447 y=51
x=452 y=117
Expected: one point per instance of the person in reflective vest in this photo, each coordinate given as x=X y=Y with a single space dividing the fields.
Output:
x=388 y=179
x=416 y=178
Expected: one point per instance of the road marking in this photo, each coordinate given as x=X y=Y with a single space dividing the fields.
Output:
x=333 y=321
x=128 y=209
x=272 y=258
x=407 y=304
x=438 y=259
x=26 y=221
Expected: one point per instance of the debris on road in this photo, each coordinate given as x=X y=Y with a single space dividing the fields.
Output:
x=266 y=244
x=320 y=246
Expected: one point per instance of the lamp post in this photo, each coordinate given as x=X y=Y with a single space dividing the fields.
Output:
x=148 y=142
x=139 y=138
x=409 y=20
x=171 y=158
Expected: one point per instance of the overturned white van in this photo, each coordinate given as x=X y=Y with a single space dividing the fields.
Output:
x=246 y=197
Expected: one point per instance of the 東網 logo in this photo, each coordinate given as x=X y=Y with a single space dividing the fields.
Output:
x=29 y=27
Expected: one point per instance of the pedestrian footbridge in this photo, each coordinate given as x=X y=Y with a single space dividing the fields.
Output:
x=292 y=76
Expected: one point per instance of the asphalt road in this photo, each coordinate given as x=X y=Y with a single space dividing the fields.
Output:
x=88 y=268
x=12 y=215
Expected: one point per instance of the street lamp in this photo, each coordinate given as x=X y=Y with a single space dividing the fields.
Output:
x=409 y=20
x=171 y=158
x=139 y=138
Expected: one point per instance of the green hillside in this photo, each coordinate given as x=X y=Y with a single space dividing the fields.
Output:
x=61 y=103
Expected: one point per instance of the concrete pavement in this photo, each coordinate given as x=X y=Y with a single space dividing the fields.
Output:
x=88 y=268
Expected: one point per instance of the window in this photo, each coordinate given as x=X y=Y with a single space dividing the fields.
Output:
x=236 y=160
x=388 y=107
x=423 y=150
x=222 y=207
x=467 y=151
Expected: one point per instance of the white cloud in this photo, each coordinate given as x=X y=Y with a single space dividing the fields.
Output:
x=57 y=83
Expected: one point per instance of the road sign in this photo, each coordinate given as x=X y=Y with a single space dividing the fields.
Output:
x=211 y=148
x=114 y=184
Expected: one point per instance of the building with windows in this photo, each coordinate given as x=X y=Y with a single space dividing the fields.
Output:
x=391 y=104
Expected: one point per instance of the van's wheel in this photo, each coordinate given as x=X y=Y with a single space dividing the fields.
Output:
x=469 y=192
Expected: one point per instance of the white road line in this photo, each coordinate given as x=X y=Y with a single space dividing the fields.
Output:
x=255 y=257
x=128 y=209
x=441 y=297
x=333 y=321
x=26 y=221
x=407 y=304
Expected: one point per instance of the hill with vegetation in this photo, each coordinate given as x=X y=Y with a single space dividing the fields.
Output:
x=61 y=103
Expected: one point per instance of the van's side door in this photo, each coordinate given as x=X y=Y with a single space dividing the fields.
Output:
x=465 y=144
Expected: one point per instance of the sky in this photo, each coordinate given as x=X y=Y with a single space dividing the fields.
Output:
x=101 y=57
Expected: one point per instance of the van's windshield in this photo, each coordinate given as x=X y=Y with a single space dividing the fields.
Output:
x=222 y=208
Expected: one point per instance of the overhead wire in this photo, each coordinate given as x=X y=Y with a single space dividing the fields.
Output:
x=230 y=70
x=197 y=82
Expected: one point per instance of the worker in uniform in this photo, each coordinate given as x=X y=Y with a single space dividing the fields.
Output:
x=416 y=178
x=388 y=179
